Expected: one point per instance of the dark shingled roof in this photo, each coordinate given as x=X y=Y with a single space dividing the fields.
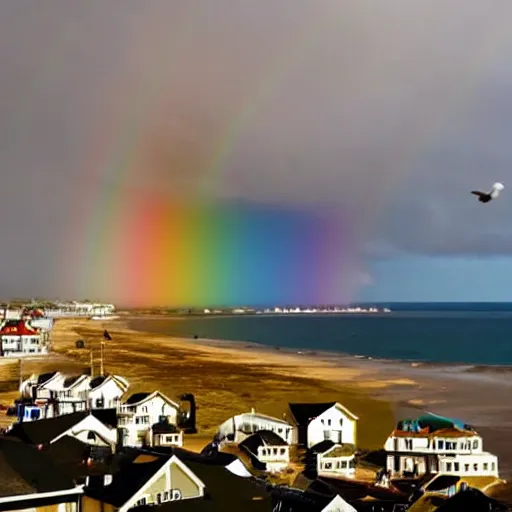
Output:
x=25 y=470
x=69 y=381
x=97 y=381
x=44 y=377
x=322 y=447
x=220 y=458
x=164 y=427
x=136 y=398
x=304 y=412
x=129 y=477
x=471 y=499
x=261 y=438
x=204 y=505
x=222 y=486
x=44 y=431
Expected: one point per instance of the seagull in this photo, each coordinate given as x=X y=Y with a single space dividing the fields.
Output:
x=485 y=197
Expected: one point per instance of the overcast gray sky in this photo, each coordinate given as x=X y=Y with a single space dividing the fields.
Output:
x=384 y=112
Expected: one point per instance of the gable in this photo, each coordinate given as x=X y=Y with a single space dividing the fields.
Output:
x=183 y=481
x=89 y=423
x=109 y=388
x=337 y=412
x=161 y=480
x=338 y=504
x=158 y=404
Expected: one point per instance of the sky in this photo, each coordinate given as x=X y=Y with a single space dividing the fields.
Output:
x=382 y=114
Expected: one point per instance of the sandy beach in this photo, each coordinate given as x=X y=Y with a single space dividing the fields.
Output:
x=228 y=378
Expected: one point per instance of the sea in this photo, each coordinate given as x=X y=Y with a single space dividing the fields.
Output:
x=461 y=333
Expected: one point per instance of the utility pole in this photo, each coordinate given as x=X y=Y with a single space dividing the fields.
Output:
x=21 y=371
x=91 y=363
x=101 y=357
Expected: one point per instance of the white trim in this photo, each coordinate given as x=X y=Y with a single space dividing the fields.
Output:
x=345 y=410
x=73 y=433
x=41 y=495
x=150 y=397
x=129 y=502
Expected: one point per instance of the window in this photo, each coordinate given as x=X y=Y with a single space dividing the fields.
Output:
x=141 y=502
x=329 y=422
x=475 y=444
x=144 y=408
x=475 y=467
x=91 y=436
x=408 y=444
x=486 y=466
x=344 y=464
x=166 y=496
x=328 y=465
x=176 y=494
x=440 y=444
x=456 y=466
x=282 y=451
x=466 y=468
x=158 y=497
x=449 y=467
x=493 y=466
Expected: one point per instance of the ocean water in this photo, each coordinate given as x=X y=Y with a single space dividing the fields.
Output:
x=472 y=333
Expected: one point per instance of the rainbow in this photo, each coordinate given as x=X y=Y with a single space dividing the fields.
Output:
x=146 y=248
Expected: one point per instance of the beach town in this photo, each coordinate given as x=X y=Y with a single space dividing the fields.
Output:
x=91 y=421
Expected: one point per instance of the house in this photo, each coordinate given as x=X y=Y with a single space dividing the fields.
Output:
x=143 y=478
x=29 y=481
x=224 y=491
x=85 y=426
x=237 y=428
x=317 y=422
x=165 y=434
x=56 y=393
x=18 y=338
x=140 y=412
x=268 y=448
x=332 y=460
x=431 y=444
x=106 y=391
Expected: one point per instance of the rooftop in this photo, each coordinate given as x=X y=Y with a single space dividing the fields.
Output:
x=26 y=470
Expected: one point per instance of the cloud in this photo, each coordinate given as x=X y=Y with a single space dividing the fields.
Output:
x=388 y=113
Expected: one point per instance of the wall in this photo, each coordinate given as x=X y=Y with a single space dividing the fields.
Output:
x=92 y=505
x=316 y=428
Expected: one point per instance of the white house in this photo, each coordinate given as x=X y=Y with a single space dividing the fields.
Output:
x=143 y=410
x=448 y=450
x=334 y=460
x=106 y=391
x=57 y=393
x=165 y=434
x=240 y=426
x=85 y=427
x=18 y=338
x=269 y=448
x=338 y=504
x=92 y=431
x=317 y=422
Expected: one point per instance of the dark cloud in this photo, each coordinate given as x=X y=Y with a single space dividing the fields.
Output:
x=387 y=112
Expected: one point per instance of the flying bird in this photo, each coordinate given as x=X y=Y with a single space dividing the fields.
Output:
x=485 y=197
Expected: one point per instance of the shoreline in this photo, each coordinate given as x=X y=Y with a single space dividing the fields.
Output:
x=476 y=393
x=461 y=367
x=230 y=377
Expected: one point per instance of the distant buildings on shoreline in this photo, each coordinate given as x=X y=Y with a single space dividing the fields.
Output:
x=296 y=310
